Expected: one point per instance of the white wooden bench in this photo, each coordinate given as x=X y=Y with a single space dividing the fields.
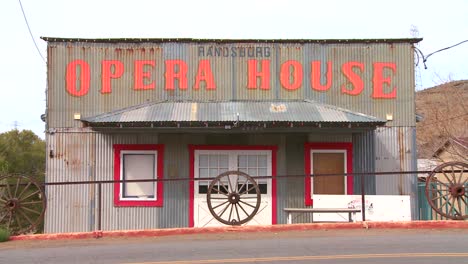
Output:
x=351 y=212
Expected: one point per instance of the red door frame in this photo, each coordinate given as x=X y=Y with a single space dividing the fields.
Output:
x=192 y=149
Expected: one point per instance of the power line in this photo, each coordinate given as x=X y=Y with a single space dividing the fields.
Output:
x=419 y=53
x=30 y=33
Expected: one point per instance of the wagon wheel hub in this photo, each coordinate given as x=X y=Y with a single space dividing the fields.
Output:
x=457 y=190
x=234 y=198
x=12 y=204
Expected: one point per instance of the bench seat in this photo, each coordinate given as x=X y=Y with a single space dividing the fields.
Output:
x=351 y=212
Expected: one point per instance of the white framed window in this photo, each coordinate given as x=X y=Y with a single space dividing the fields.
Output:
x=138 y=165
x=211 y=163
x=138 y=162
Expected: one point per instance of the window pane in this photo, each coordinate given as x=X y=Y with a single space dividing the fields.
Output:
x=203 y=161
x=138 y=167
x=252 y=172
x=213 y=172
x=243 y=169
x=262 y=161
x=252 y=161
x=223 y=161
x=202 y=188
x=262 y=172
x=242 y=161
x=213 y=161
x=204 y=173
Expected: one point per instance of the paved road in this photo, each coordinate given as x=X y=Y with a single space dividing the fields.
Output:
x=334 y=246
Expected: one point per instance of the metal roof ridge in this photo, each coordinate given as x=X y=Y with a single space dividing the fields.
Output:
x=343 y=110
x=202 y=40
x=122 y=110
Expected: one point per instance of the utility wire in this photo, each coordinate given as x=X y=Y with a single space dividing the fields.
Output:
x=30 y=33
x=424 y=58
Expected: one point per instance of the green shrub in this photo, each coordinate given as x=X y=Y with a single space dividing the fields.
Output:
x=4 y=235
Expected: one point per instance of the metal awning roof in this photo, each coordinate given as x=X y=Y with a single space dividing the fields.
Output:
x=304 y=111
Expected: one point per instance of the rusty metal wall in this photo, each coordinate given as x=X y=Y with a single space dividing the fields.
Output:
x=230 y=75
x=395 y=149
x=70 y=157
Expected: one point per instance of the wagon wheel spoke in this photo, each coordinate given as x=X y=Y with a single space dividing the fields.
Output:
x=219 y=192
x=230 y=213
x=17 y=185
x=30 y=195
x=2 y=200
x=443 y=183
x=237 y=212
x=225 y=209
x=440 y=196
x=8 y=190
x=32 y=211
x=224 y=187
x=25 y=188
x=33 y=225
x=447 y=177
x=460 y=176
x=247 y=204
x=242 y=208
x=18 y=223
x=33 y=202
x=252 y=197
x=10 y=219
x=3 y=217
x=459 y=206
x=247 y=191
x=219 y=205
x=463 y=200
x=242 y=186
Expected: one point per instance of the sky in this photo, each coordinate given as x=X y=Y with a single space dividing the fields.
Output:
x=23 y=73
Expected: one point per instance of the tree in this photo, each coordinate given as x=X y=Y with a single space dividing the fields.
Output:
x=22 y=152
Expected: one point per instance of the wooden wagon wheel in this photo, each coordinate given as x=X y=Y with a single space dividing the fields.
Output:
x=447 y=190
x=237 y=197
x=22 y=204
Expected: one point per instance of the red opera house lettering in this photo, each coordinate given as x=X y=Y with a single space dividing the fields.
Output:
x=290 y=75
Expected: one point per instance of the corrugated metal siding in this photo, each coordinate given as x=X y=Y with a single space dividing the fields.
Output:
x=70 y=207
x=395 y=150
x=364 y=161
x=230 y=74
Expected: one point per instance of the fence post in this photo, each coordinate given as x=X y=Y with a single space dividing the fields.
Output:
x=99 y=206
x=363 y=198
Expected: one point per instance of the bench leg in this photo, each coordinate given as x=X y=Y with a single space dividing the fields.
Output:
x=350 y=217
x=289 y=218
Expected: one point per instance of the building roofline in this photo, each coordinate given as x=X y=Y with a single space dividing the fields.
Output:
x=194 y=40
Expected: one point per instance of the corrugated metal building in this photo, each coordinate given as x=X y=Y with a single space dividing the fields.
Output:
x=123 y=109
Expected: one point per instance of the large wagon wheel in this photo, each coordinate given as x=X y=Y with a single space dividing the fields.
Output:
x=22 y=204
x=233 y=198
x=447 y=190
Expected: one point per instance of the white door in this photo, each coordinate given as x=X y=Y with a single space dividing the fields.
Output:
x=211 y=163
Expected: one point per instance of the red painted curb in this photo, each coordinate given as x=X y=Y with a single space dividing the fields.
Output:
x=270 y=228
